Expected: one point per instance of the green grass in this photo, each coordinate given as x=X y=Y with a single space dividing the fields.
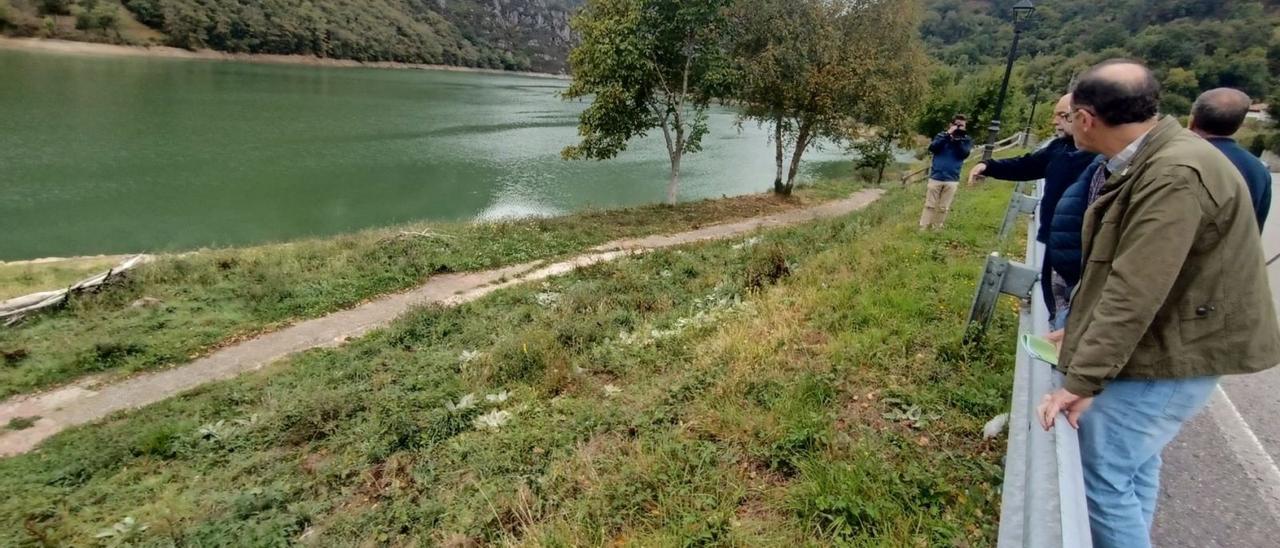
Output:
x=725 y=393
x=17 y=279
x=209 y=298
x=21 y=423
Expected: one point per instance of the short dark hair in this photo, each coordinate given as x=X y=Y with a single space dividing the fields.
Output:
x=1118 y=101
x=959 y=118
x=1220 y=111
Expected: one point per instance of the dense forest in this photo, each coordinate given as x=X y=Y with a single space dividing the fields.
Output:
x=504 y=34
x=1193 y=44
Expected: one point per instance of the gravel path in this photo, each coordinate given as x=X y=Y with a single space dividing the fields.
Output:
x=85 y=401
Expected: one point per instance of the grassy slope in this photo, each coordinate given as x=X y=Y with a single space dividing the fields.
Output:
x=687 y=397
x=216 y=296
x=17 y=279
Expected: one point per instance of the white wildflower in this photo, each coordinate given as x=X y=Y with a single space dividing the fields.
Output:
x=492 y=420
x=467 y=402
x=748 y=242
x=214 y=431
x=995 y=426
x=547 y=298
x=124 y=529
x=498 y=398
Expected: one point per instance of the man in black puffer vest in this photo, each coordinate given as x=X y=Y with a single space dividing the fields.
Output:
x=1059 y=163
x=1063 y=248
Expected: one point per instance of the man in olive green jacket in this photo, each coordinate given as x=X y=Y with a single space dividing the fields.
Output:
x=1173 y=295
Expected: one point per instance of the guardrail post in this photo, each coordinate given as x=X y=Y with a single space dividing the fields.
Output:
x=1020 y=203
x=1000 y=276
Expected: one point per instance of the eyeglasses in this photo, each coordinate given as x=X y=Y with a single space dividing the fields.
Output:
x=1081 y=109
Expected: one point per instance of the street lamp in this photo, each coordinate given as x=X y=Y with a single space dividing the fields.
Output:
x=1031 y=119
x=1021 y=14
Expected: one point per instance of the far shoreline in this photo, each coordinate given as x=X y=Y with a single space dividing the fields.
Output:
x=165 y=52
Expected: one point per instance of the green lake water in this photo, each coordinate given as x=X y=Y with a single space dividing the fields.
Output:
x=118 y=155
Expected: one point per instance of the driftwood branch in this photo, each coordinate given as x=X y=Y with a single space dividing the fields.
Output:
x=13 y=310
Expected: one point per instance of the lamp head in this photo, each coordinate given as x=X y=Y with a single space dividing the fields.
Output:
x=1022 y=11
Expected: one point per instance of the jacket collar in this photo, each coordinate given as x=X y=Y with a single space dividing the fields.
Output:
x=1164 y=131
x=1121 y=160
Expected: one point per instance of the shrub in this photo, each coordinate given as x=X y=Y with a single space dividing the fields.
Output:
x=55 y=7
x=1258 y=144
x=767 y=265
x=161 y=440
x=11 y=356
x=109 y=355
x=97 y=16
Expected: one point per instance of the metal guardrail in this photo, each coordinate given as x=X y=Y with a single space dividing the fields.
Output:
x=919 y=174
x=1043 y=503
x=1014 y=140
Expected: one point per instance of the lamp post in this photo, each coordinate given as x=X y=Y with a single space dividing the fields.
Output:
x=1021 y=14
x=1035 y=100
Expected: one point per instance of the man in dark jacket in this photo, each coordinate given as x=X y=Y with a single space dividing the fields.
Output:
x=1063 y=246
x=950 y=149
x=1059 y=163
x=1216 y=116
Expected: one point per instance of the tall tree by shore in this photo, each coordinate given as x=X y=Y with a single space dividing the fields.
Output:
x=811 y=69
x=647 y=64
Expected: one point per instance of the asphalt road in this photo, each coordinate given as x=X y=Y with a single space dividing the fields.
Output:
x=1221 y=484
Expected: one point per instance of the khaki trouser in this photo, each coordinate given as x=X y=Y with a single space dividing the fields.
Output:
x=937 y=203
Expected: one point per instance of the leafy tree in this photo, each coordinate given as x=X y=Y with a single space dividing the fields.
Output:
x=1177 y=105
x=1175 y=44
x=974 y=92
x=1182 y=82
x=95 y=15
x=875 y=152
x=55 y=7
x=647 y=64
x=1109 y=35
x=1246 y=71
x=810 y=69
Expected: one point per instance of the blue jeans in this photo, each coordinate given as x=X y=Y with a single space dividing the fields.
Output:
x=1059 y=321
x=1121 y=437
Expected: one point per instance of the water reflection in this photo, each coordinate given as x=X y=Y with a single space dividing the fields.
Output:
x=131 y=154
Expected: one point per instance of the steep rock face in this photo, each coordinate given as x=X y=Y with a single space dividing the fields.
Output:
x=501 y=34
x=535 y=33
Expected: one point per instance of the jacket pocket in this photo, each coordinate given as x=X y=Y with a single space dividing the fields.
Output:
x=1200 y=316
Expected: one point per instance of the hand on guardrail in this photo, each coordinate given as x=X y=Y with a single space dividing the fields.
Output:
x=1059 y=401
x=1056 y=337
